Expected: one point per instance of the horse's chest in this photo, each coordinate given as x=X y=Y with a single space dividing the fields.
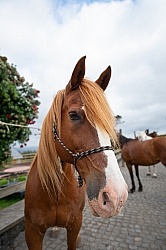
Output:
x=67 y=213
x=69 y=207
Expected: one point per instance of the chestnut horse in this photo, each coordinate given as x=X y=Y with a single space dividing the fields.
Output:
x=143 y=136
x=145 y=153
x=75 y=156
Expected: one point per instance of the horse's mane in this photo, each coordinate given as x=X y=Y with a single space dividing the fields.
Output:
x=49 y=165
x=123 y=139
x=98 y=113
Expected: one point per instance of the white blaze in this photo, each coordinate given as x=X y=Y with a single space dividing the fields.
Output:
x=113 y=173
x=114 y=195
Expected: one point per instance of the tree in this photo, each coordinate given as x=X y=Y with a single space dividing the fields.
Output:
x=18 y=105
x=119 y=119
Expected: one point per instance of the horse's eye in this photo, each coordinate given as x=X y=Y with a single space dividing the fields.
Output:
x=74 y=116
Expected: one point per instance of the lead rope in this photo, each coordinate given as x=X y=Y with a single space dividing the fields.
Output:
x=79 y=155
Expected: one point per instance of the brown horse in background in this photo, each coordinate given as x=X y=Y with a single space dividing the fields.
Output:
x=75 y=156
x=145 y=153
x=144 y=136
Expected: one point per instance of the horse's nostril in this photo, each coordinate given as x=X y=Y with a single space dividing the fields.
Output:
x=105 y=198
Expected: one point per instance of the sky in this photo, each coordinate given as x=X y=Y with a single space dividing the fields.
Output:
x=46 y=38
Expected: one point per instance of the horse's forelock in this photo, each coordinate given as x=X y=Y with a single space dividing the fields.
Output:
x=97 y=109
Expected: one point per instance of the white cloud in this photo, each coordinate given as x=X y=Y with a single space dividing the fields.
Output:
x=45 y=39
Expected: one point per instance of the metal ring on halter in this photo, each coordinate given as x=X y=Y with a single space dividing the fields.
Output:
x=81 y=154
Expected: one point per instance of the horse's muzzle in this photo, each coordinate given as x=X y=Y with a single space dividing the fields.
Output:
x=108 y=204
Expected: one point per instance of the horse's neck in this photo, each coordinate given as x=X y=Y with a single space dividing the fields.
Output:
x=69 y=182
x=124 y=140
x=68 y=170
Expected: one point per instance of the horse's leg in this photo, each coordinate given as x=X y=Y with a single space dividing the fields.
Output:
x=149 y=171
x=123 y=163
x=132 y=178
x=34 y=238
x=139 y=181
x=73 y=233
x=155 y=172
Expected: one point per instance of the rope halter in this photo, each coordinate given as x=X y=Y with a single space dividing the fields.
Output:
x=80 y=154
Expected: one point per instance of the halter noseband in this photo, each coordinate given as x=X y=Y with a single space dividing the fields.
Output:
x=79 y=155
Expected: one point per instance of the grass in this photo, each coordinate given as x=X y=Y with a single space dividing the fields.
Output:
x=9 y=200
x=3 y=182
x=6 y=181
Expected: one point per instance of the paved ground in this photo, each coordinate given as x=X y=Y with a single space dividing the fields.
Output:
x=141 y=225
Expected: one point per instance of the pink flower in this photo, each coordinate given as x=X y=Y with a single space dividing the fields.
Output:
x=9 y=116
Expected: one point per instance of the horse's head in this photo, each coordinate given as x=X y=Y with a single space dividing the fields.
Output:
x=86 y=124
x=142 y=136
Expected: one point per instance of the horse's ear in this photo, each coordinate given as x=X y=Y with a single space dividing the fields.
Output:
x=104 y=78
x=77 y=75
